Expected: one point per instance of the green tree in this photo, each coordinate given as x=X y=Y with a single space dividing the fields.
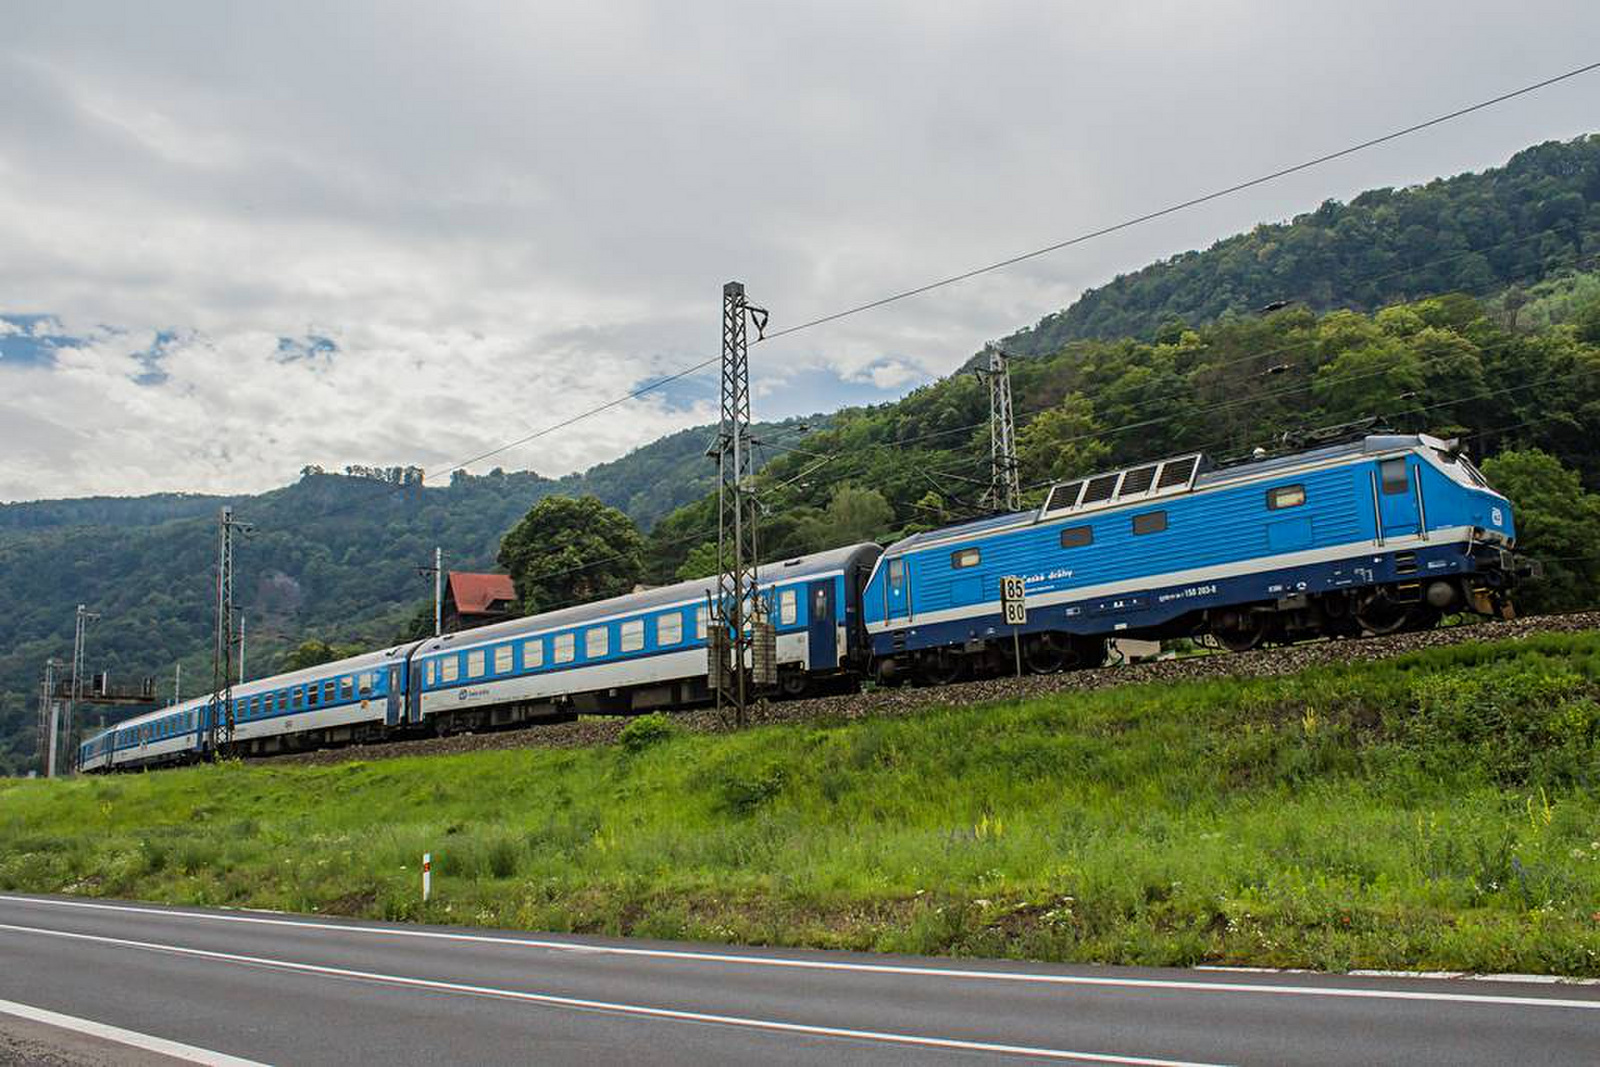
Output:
x=1062 y=443
x=1558 y=523
x=1587 y=322
x=315 y=651
x=854 y=514
x=567 y=550
x=700 y=563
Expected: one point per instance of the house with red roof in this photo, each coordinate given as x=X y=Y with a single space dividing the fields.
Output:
x=477 y=599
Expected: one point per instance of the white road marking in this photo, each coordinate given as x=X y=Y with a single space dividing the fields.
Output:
x=1189 y=985
x=777 y=1026
x=175 y=1049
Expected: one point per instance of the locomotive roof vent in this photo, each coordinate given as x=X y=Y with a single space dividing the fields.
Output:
x=1143 y=482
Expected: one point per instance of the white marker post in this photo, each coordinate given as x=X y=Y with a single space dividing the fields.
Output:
x=1014 y=598
x=427 y=876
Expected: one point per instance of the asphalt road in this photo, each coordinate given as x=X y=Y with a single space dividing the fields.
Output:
x=203 y=986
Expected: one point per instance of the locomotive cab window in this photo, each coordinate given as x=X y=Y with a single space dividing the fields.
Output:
x=788 y=607
x=630 y=636
x=897 y=570
x=963 y=558
x=1150 y=522
x=1286 y=496
x=1392 y=474
x=1077 y=536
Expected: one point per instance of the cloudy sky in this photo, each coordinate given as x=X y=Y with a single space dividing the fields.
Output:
x=236 y=239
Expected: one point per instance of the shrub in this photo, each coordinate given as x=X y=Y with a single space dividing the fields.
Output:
x=647 y=730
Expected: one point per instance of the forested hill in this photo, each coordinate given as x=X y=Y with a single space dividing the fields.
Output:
x=1472 y=233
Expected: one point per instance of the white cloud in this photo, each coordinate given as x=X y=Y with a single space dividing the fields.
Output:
x=503 y=214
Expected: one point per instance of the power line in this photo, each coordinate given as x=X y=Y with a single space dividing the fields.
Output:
x=1012 y=260
x=1184 y=205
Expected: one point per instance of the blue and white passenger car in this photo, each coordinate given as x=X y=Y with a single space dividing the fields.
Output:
x=1374 y=535
x=638 y=652
x=631 y=653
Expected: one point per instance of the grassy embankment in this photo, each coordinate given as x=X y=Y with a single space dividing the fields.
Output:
x=1434 y=811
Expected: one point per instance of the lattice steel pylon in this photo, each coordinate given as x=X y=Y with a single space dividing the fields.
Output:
x=739 y=662
x=1005 y=487
x=221 y=717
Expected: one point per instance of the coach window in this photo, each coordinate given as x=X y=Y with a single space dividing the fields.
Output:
x=347 y=688
x=532 y=653
x=963 y=558
x=596 y=642
x=788 y=607
x=449 y=668
x=475 y=664
x=502 y=659
x=283 y=700
x=1150 y=522
x=1392 y=473
x=630 y=636
x=297 y=698
x=565 y=647
x=1077 y=536
x=328 y=689
x=702 y=622
x=365 y=687
x=1286 y=496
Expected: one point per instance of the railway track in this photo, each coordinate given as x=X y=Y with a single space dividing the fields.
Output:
x=1262 y=663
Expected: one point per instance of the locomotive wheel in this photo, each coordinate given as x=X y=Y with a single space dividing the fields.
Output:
x=793 y=684
x=1048 y=653
x=1381 y=616
x=1241 y=631
x=942 y=667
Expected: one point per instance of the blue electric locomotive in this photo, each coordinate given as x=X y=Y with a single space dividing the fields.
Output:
x=1370 y=536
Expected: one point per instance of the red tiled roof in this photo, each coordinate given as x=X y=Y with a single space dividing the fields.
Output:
x=474 y=594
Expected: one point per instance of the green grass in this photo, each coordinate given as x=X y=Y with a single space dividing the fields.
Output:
x=1434 y=811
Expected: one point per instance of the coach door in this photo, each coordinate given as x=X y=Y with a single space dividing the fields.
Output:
x=392 y=705
x=1399 y=500
x=822 y=624
x=897 y=589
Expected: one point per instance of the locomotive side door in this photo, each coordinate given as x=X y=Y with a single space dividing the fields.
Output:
x=822 y=626
x=1399 y=514
x=897 y=589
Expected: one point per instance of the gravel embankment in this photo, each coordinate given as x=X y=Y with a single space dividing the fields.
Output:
x=1259 y=664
